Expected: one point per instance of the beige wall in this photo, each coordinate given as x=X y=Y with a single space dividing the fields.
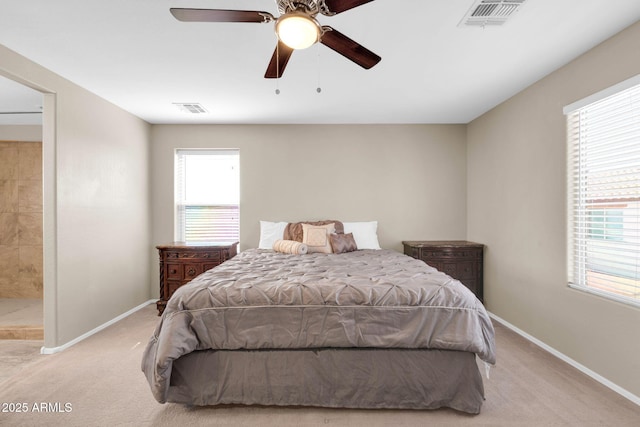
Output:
x=410 y=178
x=20 y=219
x=96 y=204
x=517 y=207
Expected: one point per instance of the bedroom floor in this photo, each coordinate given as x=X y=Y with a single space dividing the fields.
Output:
x=100 y=381
x=21 y=319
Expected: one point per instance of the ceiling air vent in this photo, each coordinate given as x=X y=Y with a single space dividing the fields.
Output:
x=190 y=107
x=490 y=12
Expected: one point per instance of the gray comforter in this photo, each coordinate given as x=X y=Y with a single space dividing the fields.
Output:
x=266 y=300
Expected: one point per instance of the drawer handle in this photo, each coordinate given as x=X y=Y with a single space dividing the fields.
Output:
x=173 y=271
x=191 y=271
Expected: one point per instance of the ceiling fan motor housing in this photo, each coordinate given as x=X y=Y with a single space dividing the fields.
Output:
x=308 y=6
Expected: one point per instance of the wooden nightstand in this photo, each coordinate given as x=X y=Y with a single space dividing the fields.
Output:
x=459 y=259
x=181 y=262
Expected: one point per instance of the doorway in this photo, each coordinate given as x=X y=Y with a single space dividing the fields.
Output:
x=21 y=212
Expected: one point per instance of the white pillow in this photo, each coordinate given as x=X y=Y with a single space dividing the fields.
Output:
x=269 y=233
x=364 y=233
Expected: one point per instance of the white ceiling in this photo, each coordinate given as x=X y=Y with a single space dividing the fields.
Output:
x=136 y=55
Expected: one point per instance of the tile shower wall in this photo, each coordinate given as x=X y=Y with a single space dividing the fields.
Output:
x=20 y=219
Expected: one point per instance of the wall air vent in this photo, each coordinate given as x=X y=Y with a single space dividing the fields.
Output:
x=490 y=12
x=190 y=107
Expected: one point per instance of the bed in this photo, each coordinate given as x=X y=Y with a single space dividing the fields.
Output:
x=361 y=329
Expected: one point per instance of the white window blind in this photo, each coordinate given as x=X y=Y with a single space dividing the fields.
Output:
x=207 y=196
x=604 y=196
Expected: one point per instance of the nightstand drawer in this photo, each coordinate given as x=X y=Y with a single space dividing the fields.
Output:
x=185 y=271
x=196 y=256
x=450 y=269
x=465 y=270
x=174 y=271
x=460 y=270
x=192 y=270
x=451 y=253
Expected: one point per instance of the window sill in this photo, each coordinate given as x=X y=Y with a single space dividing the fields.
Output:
x=606 y=295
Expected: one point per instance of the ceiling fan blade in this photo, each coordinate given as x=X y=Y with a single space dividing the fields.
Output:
x=278 y=61
x=338 y=6
x=219 y=15
x=348 y=48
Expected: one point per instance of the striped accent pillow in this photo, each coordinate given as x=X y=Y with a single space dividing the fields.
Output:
x=290 y=247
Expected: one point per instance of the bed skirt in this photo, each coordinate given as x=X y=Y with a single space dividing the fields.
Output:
x=334 y=378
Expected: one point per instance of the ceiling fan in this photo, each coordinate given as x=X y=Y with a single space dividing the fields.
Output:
x=296 y=28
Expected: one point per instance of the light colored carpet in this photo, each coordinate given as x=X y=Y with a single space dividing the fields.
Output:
x=16 y=355
x=100 y=382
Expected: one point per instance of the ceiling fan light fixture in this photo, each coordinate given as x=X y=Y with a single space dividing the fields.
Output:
x=298 y=30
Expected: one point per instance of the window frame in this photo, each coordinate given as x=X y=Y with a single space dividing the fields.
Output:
x=581 y=209
x=180 y=207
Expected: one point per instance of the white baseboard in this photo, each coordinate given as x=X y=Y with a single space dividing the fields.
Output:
x=602 y=380
x=53 y=350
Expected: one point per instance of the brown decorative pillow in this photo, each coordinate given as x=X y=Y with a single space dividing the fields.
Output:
x=316 y=237
x=293 y=230
x=341 y=243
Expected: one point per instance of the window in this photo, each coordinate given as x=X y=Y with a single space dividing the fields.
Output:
x=207 y=196
x=603 y=134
